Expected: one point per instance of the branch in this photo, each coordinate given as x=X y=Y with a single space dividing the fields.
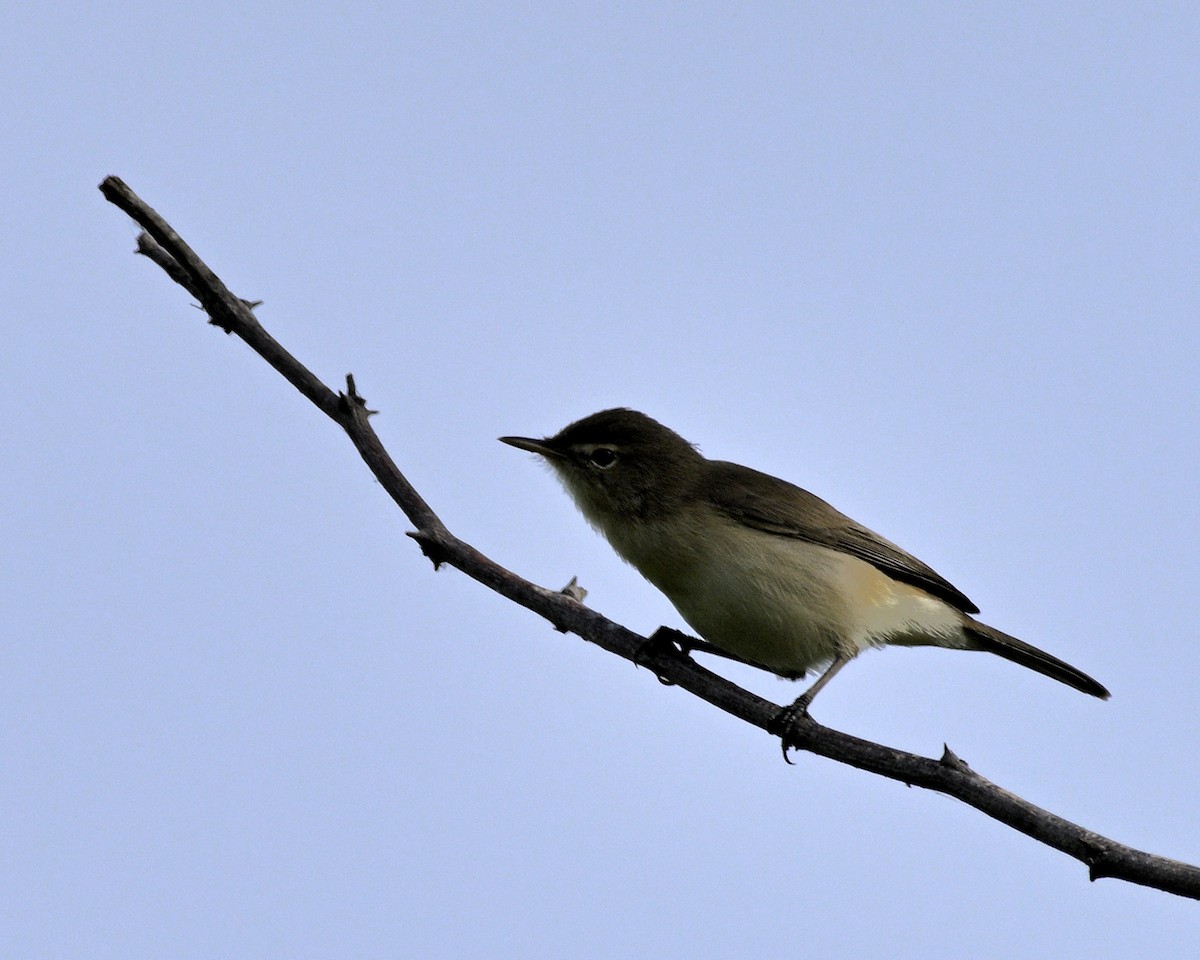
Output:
x=948 y=775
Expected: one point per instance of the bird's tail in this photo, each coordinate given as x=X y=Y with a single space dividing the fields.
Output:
x=983 y=637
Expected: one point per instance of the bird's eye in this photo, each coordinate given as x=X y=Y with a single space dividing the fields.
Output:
x=602 y=457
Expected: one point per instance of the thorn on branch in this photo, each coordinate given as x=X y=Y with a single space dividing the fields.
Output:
x=432 y=546
x=1098 y=860
x=351 y=399
x=951 y=760
x=574 y=590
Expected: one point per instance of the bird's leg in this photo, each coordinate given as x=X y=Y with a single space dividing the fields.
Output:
x=786 y=719
x=688 y=644
x=667 y=641
x=802 y=701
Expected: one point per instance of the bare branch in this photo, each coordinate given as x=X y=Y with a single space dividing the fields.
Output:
x=949 y=775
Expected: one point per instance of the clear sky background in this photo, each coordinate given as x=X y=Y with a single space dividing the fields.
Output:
x=935 y=262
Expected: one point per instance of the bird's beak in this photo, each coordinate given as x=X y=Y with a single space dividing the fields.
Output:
x=533 y=446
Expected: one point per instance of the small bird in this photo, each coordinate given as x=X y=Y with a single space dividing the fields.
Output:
x=766 y=573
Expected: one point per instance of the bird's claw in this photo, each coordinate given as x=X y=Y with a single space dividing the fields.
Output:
x=663 y=642
x=788 y=722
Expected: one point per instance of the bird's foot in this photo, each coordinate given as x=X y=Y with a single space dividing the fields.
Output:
x=788 y=724
x=663 y=642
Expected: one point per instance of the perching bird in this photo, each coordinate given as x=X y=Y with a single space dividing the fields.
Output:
x=764 y=571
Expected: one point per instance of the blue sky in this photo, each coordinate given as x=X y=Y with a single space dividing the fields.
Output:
x=936 y=263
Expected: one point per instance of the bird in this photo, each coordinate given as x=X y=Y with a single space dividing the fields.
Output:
x=764 y=571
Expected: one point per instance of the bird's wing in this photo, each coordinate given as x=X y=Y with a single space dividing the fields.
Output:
x=775 y=506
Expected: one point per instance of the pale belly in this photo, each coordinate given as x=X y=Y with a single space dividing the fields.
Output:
x=789 y=605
